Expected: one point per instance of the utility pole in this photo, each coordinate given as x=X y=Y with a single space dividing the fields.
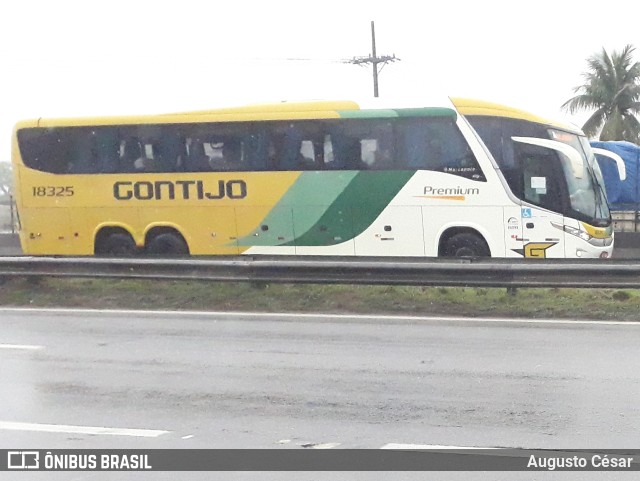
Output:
x=374 y=60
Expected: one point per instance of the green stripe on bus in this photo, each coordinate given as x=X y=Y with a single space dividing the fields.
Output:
x=303 y=205
x=393 y=113
x=427 y=112
x=355 y=208
x=367 y=114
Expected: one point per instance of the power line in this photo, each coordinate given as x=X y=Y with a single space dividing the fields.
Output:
x=374 y=60
x=289 y=59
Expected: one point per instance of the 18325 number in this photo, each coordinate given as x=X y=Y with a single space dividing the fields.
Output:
x=52 y=191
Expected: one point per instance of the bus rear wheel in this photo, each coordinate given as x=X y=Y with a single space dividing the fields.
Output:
x=167 y=244
x=116 y=245
x=466 y=244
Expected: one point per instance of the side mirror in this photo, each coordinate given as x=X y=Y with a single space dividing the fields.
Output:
x=575 y=159
x=622 y=169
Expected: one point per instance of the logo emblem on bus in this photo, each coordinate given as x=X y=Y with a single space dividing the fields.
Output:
x=179 y=189
x=535 y=249
x=448 y=193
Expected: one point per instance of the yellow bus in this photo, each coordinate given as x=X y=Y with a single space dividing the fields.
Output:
x=301 y=178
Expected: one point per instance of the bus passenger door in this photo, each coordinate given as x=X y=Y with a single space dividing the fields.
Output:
x=542 y=225
x=545 y=166
x=396 y=232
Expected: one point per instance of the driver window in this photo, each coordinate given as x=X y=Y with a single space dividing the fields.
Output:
x=539 y=184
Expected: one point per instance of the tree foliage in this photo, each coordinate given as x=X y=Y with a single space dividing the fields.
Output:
x=612 y=90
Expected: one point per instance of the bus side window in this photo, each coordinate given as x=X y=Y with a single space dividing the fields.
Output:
x=226 y=155
x=431 y=145
x=131 y=151
x=57 y=155
x=413 y=146
x=539 y=184
x=94 y=151
x=197 y=159
x=490 y=131
x=290 y=143
x=312 y=155
x=256 y=150
x=515 y=181
x=437 y=144
x=441 y=151
x=295 y=146
x=104 y=151
x=81 y=153
x=378 y=153
x=169 y=152
x=347 y=150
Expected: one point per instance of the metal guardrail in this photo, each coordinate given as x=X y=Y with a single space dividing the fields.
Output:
x=344 y=270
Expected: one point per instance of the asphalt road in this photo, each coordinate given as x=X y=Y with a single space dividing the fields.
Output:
x=80 y=380
x=257 y=381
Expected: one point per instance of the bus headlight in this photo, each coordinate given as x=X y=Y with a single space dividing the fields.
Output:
x=585 y=236
x=578 y=233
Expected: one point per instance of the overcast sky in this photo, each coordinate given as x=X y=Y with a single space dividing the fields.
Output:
x=80 y=58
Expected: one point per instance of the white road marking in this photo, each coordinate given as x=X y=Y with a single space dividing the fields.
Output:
x=320 y=445
x=23 y=347
x=285 y=315
x=326 y=446
x=430 y=446
x=188 y=436
x=61 y=428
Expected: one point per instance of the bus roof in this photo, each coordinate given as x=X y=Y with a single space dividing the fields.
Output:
x=482 y=108
x=328 y=105
x=284 y=106
x=320 y=109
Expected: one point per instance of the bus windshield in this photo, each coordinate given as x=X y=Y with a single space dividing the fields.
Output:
x=586 y=192
x=544 y=177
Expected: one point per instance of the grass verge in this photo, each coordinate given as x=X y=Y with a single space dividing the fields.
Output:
x=601 y=304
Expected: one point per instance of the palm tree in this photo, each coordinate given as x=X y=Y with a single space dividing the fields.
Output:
x=612 y=88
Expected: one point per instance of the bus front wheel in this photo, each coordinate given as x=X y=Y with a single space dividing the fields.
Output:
x=116 y=245
x=466 y=244
x=167 y=244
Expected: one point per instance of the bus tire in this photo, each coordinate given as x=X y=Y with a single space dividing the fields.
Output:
x=116 y=245
x=168 y=245
x=466 y=244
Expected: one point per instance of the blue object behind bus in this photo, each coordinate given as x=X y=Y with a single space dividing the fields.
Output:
x=622 y=194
